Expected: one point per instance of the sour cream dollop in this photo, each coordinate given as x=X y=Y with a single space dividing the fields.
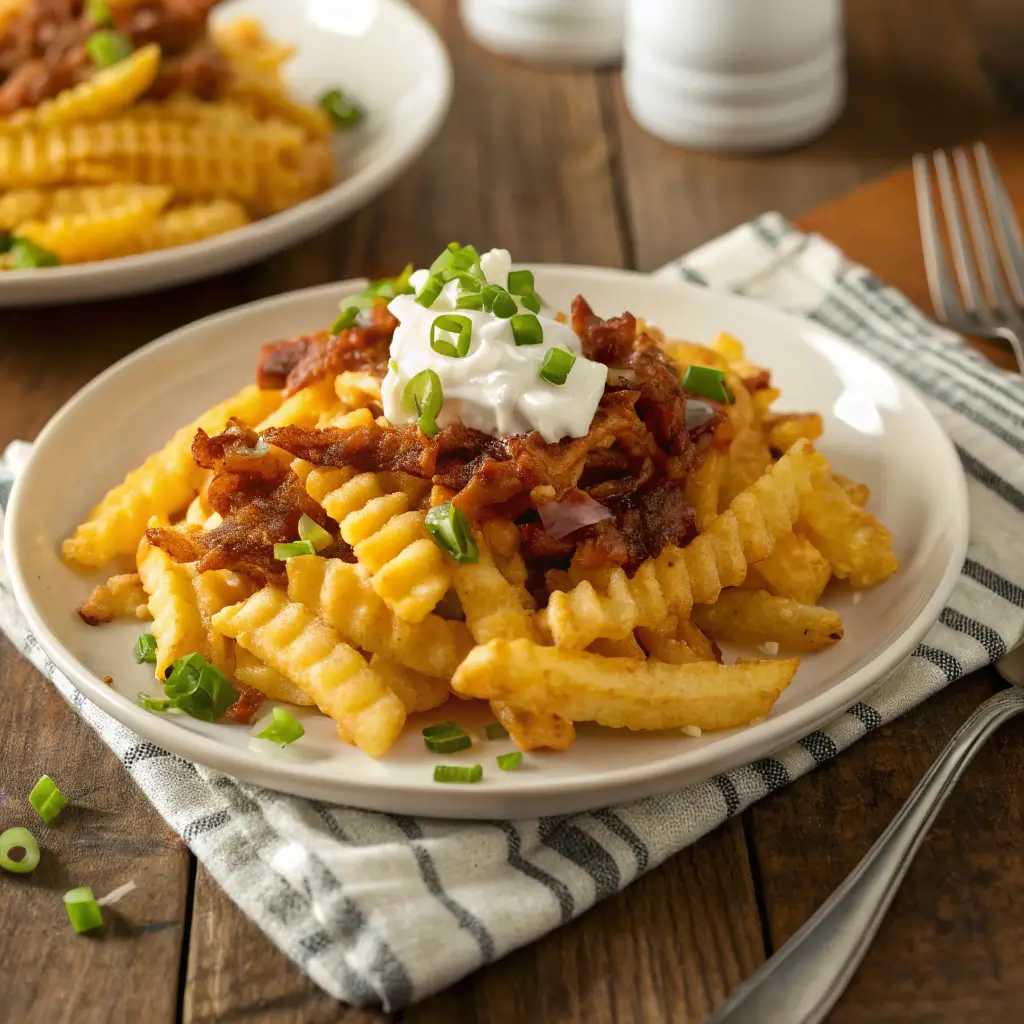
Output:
x=496 y=387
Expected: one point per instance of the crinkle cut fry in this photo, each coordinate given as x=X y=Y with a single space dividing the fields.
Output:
x=162 y=486
x=622 y=693
x=286 y=636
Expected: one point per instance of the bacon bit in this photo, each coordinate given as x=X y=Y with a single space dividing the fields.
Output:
x=245 y=708
x=277 y=359
x=109 y=680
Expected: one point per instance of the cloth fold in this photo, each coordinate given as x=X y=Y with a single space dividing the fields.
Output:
x=384 y=910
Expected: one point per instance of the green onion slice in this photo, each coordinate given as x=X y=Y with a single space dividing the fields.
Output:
x=99 y=12
x=526 y=329
x=24 y=254
x=381 y=291
x=495 y=731
x=520 y=282
x=707 y=382
x=455 y=324
x=393 y=366
x=471 y=300
x=498 y=301
x=345 y=320
x=443 y=729
x=344 y=111
x=431 y=289
x=423 y=395
x=556 y=366
x=107 y=48
x=19 y=851
x=450 y=530
x=196 y=687
x=310 y=530
x=145 y=649
x=530 y=302
x=448 y=744
x=83 y=910
x=457 y=260
x=283 y=729
x=282 y=552
x=509 y=762
x=454 y=773
x=47 y=799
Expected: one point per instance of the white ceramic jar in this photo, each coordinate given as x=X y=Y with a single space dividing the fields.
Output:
x=742 y=75
x=578 y=32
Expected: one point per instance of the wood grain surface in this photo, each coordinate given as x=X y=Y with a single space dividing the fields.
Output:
x=549 y=164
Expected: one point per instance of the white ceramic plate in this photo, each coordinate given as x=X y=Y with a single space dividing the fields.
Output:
x=385 y=54
x=876 y=430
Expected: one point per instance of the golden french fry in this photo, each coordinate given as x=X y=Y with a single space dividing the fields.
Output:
x=193 y=222
x=681 y=644
x=755 y=617
x=686 y=353
x=215 y=591
x=785 y=429
x=533 y=731
x=622 y=692
x=416 y=690
x=858 y=493
x=286 y=636
x=20 y=205
x=250 y=671
x=795 y=569
x=628 y=647
x=505 y=542
x=121 y=597
x=493 y=606
x=703 y=485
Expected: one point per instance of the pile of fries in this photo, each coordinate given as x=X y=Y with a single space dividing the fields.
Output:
x=103 y=169
x=395 y=626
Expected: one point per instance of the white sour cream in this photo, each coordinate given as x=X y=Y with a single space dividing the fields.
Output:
x=496 y=388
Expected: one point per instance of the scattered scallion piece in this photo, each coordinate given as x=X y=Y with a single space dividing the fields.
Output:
x=443 y=729
x=453 y=324
x=99 y=12
x=310 y=530
x=707 y=382
x=509 y=762
x=498 y=301
x=345 y=320
x=381 y=291
x=530 y=302
x=196 y=687
x=145 y=649
x=107 y=48
x=495 y=731
x=343 y=111
x=24 y=254
x=457 y=260
x=47 y=799
x=284 y=729
x=454 y=773
x=472 y=300
x=448 y=744
x=450 y=530
x=83 y=910
x=296 y=548
x=424 y=396
x=520 y=282
x=393 y=366
x=19 y=851
x=526 y=329
x=556 y=366
x=428 y=294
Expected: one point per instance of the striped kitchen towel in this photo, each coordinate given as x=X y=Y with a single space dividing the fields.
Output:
x=384 y=910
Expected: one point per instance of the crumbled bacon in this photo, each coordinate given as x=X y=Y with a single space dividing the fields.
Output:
x=277 y=359
x=244 y=709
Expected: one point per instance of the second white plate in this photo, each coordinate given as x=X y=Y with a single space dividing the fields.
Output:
x=876 y=430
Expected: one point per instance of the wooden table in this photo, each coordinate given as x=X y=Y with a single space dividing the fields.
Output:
x=550 y=165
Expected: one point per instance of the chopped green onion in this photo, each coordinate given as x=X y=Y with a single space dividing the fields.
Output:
x=448 y=744
x=520 y=282
x=457 y=260
x=526 y=329
x=283 y=729
x=455 y=324
x=509 y=762
x=498 y=301
x=495 y=731
x=449 y=529
x=530 y=302
x=47 y=799
x=347 y=319
x=297 y=548
x=196 y=687
x=443 y=729
x=383 y=290
x=344 y=111
x=310 y=530
x=83 y=910
x=707 y=382
x=453 y=773
x=99 y=12
x=19 y=851
x=423 y=395
x=107 y=48
x=24 y=254
x=428 y=294
x=145 y=649
x=393 y=366
x=472 y=300
x=556 y=366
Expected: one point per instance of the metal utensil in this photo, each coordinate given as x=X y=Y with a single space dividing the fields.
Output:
x=805 y=978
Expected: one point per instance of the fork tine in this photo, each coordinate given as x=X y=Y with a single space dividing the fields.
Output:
x=1008 y=236
x=940 y=283
x=963 y=260
x=983 y=245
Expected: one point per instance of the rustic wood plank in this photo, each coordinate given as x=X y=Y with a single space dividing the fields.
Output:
x=911 y=89
x=665 y=950
x=107 y=837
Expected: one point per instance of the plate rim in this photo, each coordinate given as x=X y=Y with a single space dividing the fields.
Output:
x=263 y=237
x=484 y=803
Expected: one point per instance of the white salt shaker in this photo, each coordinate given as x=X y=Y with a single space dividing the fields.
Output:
x=742 y=75
x=578 y=32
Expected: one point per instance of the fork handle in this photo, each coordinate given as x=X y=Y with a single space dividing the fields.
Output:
x=805 y=978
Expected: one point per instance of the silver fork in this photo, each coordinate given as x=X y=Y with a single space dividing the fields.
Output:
x=805 y=978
